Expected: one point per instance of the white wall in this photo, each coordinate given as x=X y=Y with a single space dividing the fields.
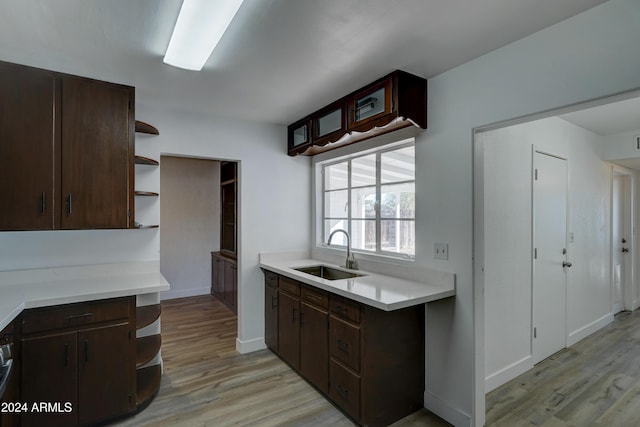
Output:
x=190 y=210
x=508 y=240
x=274 y=194
x=589 y=56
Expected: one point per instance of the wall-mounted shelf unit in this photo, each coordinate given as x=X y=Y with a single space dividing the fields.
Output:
x=147 y=348
x=146 y=161
x=142 y=127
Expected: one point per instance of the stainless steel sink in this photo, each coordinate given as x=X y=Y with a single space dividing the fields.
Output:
x=329 y=273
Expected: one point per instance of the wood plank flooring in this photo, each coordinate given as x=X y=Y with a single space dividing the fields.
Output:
x=595 y=383
x=207 y=383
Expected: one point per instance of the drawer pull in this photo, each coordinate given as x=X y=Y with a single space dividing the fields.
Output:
x=78 y=316
x=342 y=345
x=342 y=391
x=342 y=309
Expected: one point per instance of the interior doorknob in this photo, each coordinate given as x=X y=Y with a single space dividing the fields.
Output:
x=566 y=264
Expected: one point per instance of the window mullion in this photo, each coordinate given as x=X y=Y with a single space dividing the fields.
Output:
x=378 y=202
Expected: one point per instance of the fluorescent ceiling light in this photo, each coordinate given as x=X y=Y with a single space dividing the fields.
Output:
x=200 y=26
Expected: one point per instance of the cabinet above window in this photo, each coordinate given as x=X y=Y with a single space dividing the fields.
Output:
x=395 y=101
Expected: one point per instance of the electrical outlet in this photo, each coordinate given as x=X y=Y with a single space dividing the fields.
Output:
x=441 y=251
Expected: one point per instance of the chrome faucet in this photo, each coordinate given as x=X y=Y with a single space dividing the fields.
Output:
x=351 y=262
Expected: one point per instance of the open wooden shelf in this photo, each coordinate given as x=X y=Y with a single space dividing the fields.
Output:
x=148 y=384
x=142 y=226
x=147 y=348
x=142 y=127
x=147 y=314
x=147 y=193
x=146 y=161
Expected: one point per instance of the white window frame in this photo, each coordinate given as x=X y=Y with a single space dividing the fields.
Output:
x=319 y=204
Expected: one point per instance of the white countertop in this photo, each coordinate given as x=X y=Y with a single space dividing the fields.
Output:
x=22 y=289
x=377 y=290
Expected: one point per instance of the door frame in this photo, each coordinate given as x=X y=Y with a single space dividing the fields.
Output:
x=535 y=151
x=629 y=300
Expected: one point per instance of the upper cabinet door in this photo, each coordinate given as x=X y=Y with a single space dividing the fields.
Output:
x=299 y=136
x=330 y=123
x=373 y=103
x=26 y=148
x=97 y=153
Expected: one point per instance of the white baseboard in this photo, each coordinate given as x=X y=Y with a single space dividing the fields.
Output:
x=250 y=346
x=184 y=293
x=635 y=305
x=445 y=411
x=508 y=373
x=588 y=329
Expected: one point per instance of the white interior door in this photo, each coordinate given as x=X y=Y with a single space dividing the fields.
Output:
x=621 y=242
x=550 y=258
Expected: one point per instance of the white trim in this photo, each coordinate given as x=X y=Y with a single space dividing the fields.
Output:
x=448 y=413
x=478 y=393
x=250 y=346
x=495 y=380
x=588 y=329
x=184 y=293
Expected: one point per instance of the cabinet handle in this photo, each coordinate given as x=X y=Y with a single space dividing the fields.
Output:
x=274 y=302
x=342 y=391
x=86 y=351
x=301 y=318
x=43 y=202
x=78 y=316
x=70 y=205
x=293 y=315
x=66 y=355
x=342 y=345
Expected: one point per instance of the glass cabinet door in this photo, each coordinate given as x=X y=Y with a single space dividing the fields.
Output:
x=299 y=136
x=372 y=103
x=329 y=124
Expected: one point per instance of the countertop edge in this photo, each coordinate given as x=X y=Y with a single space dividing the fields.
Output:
x=22 y=296
x=438 y=291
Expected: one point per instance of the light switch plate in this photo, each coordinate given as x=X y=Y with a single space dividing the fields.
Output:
x=441 y=251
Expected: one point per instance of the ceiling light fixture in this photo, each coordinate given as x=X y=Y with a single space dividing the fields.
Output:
x=199 y=28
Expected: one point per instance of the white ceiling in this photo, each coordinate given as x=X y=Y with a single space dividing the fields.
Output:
x=608 y=119
x=280 y=59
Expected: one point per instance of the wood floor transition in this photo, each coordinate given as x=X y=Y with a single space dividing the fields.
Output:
x=207 y=383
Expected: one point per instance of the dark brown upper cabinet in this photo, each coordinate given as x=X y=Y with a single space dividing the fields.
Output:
x=66 y=151
x=329 y=124
x=299 y=136
x=395 y=101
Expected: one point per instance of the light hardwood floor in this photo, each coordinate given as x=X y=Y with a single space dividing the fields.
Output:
x=207 y=383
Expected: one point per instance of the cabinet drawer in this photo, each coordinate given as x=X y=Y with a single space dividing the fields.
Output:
x=271 y=279
x=315 y=296
x=288 y=285
x=345 y=308
x=344 y=342
x=74 y=315
x=344 y=389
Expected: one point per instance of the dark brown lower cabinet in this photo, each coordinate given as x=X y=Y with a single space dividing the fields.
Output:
x=271 y=310
x=368 y=362
x=79 y=361
x=289 y=329
x=224 y=279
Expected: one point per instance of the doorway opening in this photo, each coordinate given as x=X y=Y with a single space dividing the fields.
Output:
x=594 y=142
x=198 y=237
